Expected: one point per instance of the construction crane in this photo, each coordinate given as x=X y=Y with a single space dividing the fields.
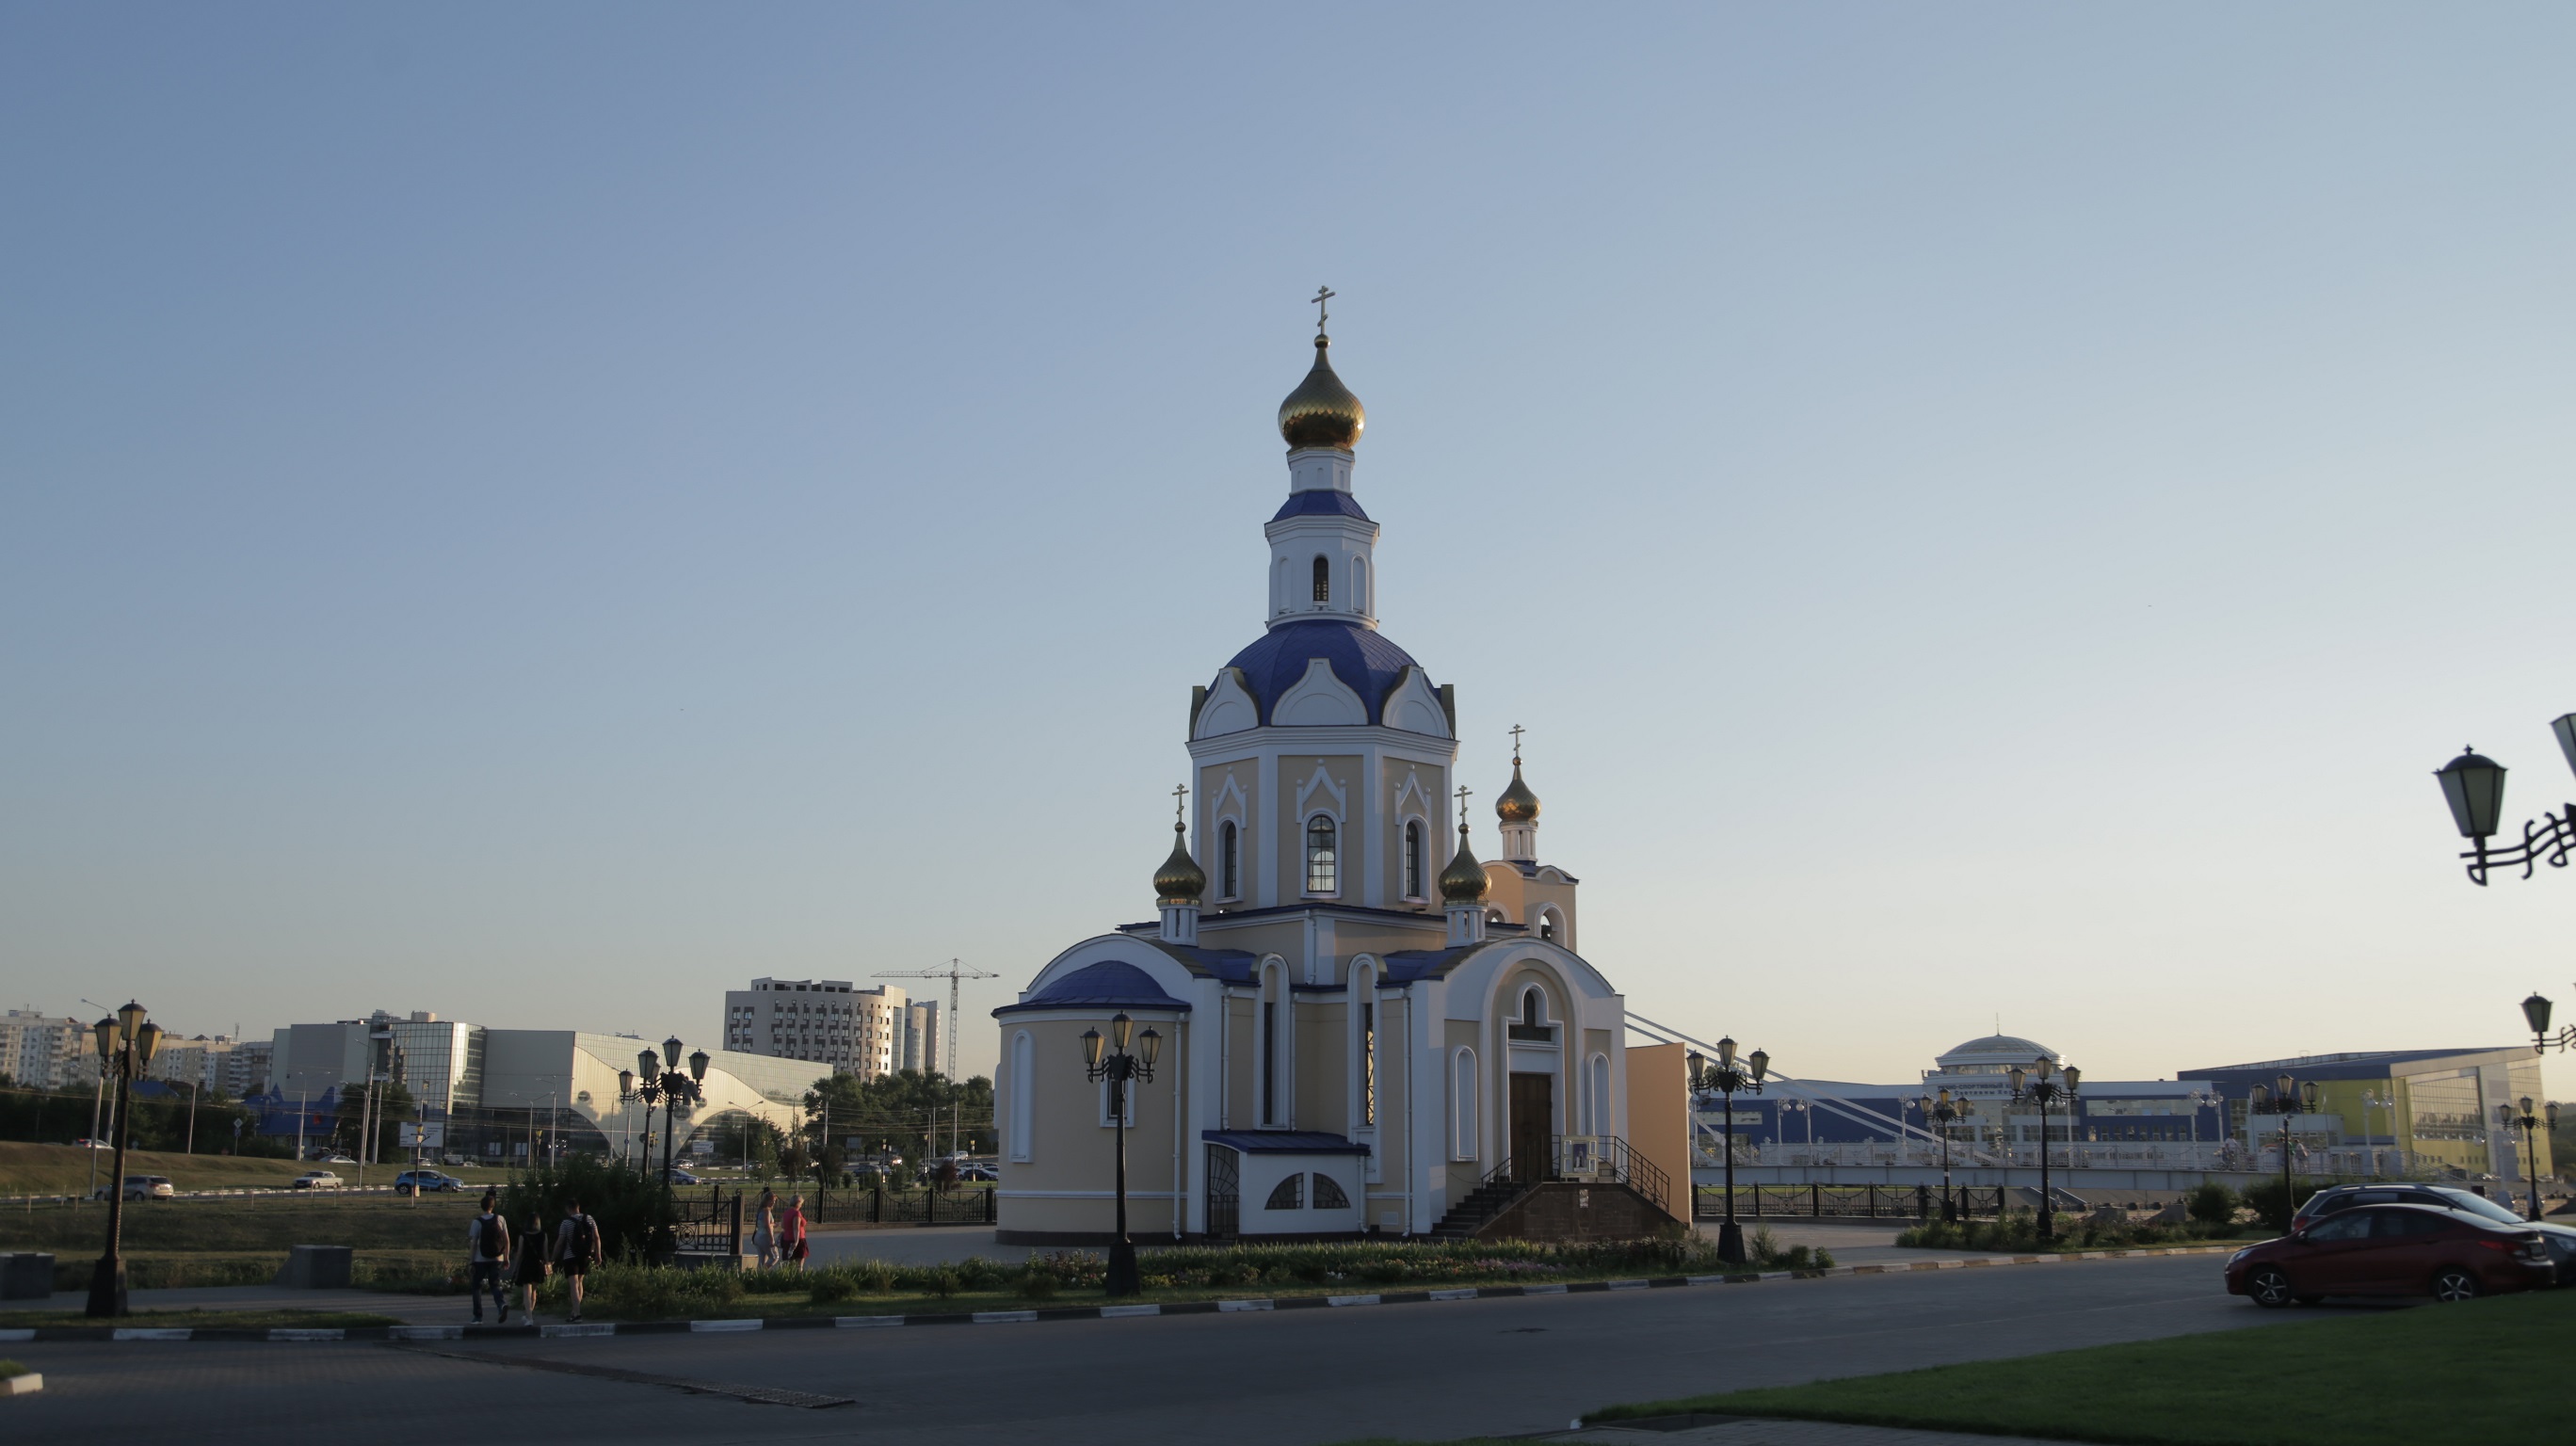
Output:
x=953 y=973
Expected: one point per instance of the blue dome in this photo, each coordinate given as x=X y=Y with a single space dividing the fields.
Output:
x=1109 y=983
x=1361 y=657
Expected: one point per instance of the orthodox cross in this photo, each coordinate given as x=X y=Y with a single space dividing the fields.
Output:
x=1463 y=791
x=1180 y=803
x=1517 y=731
x=1322 y=295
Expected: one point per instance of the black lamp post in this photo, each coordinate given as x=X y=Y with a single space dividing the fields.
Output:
x=2523 y=1116
x=2285 y=1097
x=125 y=1046
x=2045 y=1091
x=2473 y=785
x=1120 y=1069
x=1939 y=1110
x=1726 y=1077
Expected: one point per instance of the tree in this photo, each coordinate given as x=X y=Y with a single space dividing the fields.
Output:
x=630 y=1204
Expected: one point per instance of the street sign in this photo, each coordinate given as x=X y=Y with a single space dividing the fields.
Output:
x=702 y=1147
x=410 y=1135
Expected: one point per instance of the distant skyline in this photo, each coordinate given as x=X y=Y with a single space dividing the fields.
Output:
x=545 y=515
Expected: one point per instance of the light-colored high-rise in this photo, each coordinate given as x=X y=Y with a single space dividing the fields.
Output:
x=865 y=1032
x=44 y=1050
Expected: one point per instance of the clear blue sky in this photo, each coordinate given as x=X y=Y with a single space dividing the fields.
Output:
x=543 y=513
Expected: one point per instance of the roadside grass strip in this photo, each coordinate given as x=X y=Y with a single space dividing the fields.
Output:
x=247 y=1326
x=2484 y=1370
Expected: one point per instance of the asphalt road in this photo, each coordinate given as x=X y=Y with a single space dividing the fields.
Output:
x=1300 y=1378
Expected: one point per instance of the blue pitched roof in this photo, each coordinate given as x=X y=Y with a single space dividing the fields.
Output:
x=1319 y=502
x=1283 y=1142
x=1366 y=662
x=1111 y=982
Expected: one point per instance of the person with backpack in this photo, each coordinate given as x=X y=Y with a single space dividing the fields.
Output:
x=533 y=1268
x=488 y=1238
x=576 y=1246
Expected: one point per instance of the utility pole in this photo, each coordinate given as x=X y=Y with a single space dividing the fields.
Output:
x=953 y=973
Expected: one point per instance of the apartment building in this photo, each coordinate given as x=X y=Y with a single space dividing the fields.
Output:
x=866 y=1032
x=47 y=1051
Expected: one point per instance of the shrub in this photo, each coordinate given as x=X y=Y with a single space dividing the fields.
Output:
x=1038 y=1285
x=2212 y=1203
x=944 y=1283
x=2274 y=1206
x=629 y=1204
x=829 y=1286
x=657 y=1292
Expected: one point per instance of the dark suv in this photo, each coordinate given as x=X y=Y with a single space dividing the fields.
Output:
x=2560 y=1240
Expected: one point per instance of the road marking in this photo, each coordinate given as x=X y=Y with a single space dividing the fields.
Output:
x=1004 y=1317
x=1122 y=1312
x=751 y=1324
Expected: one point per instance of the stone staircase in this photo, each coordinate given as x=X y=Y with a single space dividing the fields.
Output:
x=1482 y=1204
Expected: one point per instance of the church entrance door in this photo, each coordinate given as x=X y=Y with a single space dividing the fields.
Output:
x=1533 y=1112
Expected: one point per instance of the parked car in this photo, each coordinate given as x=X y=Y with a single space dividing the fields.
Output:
x=430 y=1180
x=2392 y=1250
x=337 y=1160
x=2560 y=1239
x=683 y=1177
x=976 y=1172
x=140 y=1187
x=316 y=1180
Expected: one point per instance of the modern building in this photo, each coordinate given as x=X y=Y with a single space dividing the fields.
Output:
x=1358 y=1021
x=922 y=1041
x=45 y=1050
x=865 y=1032
x=2387 y=1112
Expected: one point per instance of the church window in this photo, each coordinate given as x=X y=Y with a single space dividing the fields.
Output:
x=1547 y=925
x=1229 y=865
x=1368 y=1064
x=1532 y=1024
x=1462 y=1105
x=1287 y=1195
x=1328 y=1194
x=1323 y=581
x=1269 y=1061
x=1413 y=860
x=1323 y=860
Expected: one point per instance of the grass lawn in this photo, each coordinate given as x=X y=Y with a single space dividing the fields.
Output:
x=248 y=1222
x=229 y=1319
x=27 y=1169
x=2486 y=1370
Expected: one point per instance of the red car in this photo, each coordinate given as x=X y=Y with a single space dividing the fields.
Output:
x=2392 y=1250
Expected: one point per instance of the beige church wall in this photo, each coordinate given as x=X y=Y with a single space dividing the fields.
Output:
x=1659 y=1118
x=1439 y=834
x=1242 y=1106
x=1070 y=1149
x=1353 y=937
x=1323 y=1064
x=1503 y=890
x=1540 y=893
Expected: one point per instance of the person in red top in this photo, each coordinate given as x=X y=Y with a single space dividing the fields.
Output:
x=791 y=1234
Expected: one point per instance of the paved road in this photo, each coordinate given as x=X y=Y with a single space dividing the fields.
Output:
x=1427 y=1372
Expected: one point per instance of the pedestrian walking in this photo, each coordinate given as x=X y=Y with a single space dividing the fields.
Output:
x=576 y=1246
x=533 y=1267
x=764 y=1229
x=791 y=1233
x=488 y=1240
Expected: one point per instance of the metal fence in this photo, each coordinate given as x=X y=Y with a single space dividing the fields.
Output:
x=1858 y=1202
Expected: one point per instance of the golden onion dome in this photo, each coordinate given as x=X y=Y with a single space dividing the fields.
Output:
x=1518 y=804
x=1322 y=412
x=1463 y=882
x=1180 y=880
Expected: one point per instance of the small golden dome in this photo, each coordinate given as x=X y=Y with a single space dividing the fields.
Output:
x=1463 y=882
x=1322 y=412
x=1180 y=880
x=1518 y=804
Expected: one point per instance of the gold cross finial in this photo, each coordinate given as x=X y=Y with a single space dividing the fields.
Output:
x=1180 y=804
x=1322 y=295
x=1517 y=731
x=1463 y=791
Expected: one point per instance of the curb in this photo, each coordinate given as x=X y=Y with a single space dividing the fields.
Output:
x=1033 y=1315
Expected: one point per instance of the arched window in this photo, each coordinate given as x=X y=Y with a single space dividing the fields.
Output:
x=1547 y=924
x=1462 y=1105
x=1323 y=580
x=1323 y=861
x=1359 y=585
x=1413 y=860
x=1533 y=1025
x=1328 y=1194
x=1599 y=1103
x=1229 y=868
x=1285 y=1195
x=1024 y=1075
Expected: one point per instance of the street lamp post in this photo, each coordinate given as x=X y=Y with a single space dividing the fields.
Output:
x=1803 y=1111
x=125 y=1046
x=2523 y=1116
x=1939 y=1111
x=663 y=1084
x=2045 y=1091
x=1726 y=1077
x=2285 y=1097
x=1121 y=1069
x=2473 y=785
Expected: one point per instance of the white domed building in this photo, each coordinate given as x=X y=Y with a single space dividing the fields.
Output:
x=1358 y=1022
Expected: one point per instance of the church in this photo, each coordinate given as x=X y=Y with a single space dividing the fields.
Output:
x=1359 y=1028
